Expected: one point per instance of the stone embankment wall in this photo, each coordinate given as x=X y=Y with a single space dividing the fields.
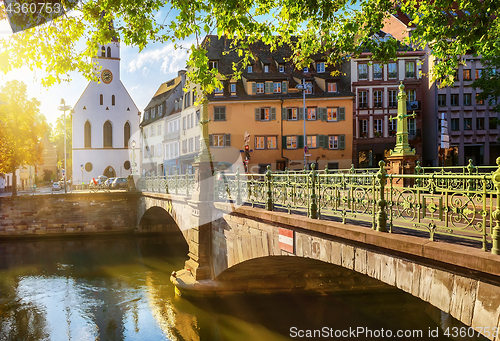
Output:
x=459 y=280
x=73 y=213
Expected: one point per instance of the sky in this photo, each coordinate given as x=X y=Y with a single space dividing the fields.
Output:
x=141 y=73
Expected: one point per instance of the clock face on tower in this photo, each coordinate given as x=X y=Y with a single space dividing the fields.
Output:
x=106 y=76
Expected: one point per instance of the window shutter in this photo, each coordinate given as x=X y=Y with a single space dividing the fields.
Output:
x=283 y=114
x=320 y=141
x=283 y=86
x=283 y=142
x=210 y=140
x=227 y=140
x=301 y=113
x=324 y=112
x=341 y=114
x=254 y=88
x=273 y=114
x=341 y=141
x=300 y=141
x=266 y=87
x=326 y=142
x=257 y=114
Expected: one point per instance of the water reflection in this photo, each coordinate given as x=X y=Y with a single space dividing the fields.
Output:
x=119 y=289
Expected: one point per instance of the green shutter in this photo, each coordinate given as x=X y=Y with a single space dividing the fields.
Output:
x=300 y=141
x=210 y=140
x=324 y=112
x=283 y=87
x=227 y=140
x=266 y=87
x=254 y=88
x=283 y=114
x=283 y=142
x=326 y=142
x=320 y=141
x=341 y=141
x=341 y=114
x=273 y=114
x=257 y=114
x=301 y=113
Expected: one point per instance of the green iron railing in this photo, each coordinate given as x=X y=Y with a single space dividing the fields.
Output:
x=179 y=184
x=453 y=205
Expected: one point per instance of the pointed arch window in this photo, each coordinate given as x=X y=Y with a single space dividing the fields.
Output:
x=126 y=134
x=103 y=51
x=87 y=135
x=113 y=100
x=107 y=139
x=101 y=99
x=109 y=52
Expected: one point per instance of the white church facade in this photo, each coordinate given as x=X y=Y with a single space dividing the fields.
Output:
x=105 y=120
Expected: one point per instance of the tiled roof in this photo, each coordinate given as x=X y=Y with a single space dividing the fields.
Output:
x=162 y=94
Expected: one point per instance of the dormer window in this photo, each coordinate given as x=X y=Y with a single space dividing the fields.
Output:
x=250 y=69
x=266 y=68
x=176 y=105
x=306 y=69
x=281 y=68
x=153 y=112
x=320 y=67
x=146 y=115
x=213 y=64
x=308 y=90
x=219 y=91
x=233 y=89
x=332 y=87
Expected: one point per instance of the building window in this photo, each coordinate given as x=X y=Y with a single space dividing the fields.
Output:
x=493 y=121
x=412 y=95
x=159 y=129
x=233 y=88
x=311 y=114
x=312 y=141
x=362 y=72
x=191 y=145
x=152 y=130
x=264 y=114
x=153 y=112
x=467 y=123
x=266 y=68
x=160 y=110
x=332 y=87
x=393 y=124
x=213 y=64
x=479 y=101
x=249 y=69
x=467 y=99
x=272 y=142
x=442 y=100
x=291 y=142
x=259 y=142
x=220 y=140
x=219 y=113
x=392 y=70
x=480 y=123
x=101 y=99
x=292 y=114
x=109 y=52
x=377 y=99
x=331 y=114
x=176 y=105
x=410 y=70
x=281 y=68
x=126 y=134
x=306 y=69
x=454 y=100
x=333 y=142
x=309 y=89
x=363 y=99
x=107 y=135
x=152 y=150
x=277 y=87
x=393 y=98
x=377 y=127
x=87 y=135
x=197 y=121
x=478 y=73
x=363 y=128
x=103 y=51
x=320 y=67
x=260 y=88
x=112 y=99
x=218 y=91
x=377 y=71
x=467 y=75
x=412 y=127
x=197 y=143
x=455 y=124
x=265 y=142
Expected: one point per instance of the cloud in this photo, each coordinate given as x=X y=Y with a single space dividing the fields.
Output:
x=165 y=59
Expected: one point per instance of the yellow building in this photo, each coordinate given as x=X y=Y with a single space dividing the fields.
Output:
x=264 y=110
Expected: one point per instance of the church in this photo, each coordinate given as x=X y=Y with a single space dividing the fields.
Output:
x=104 y=121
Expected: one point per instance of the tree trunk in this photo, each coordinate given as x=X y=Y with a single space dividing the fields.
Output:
x=14 y=183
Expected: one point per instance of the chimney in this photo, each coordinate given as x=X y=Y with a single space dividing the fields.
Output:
x=181 y=72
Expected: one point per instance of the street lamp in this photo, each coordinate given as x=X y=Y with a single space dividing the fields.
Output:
x=133 y=156
x=304 y=87
x=63 y=107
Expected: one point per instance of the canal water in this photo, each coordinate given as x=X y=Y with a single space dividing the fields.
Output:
x=119 y=289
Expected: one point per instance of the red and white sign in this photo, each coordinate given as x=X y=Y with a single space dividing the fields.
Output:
x=286 y=240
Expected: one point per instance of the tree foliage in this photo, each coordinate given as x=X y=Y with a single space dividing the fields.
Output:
x=338 y=28
x=21 y=129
